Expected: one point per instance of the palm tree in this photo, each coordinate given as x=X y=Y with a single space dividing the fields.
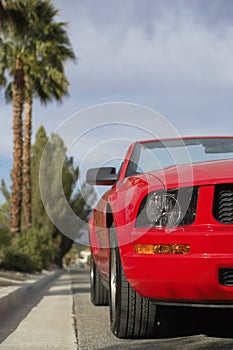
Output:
x=34 y=57
x=12 y=56
x=44 y=78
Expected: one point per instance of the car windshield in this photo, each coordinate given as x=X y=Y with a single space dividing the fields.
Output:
x=161 y=154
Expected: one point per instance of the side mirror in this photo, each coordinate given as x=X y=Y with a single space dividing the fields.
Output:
x=101 y=176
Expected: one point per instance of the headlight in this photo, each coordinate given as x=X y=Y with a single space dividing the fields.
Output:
x=168 y=208
x=163 y=209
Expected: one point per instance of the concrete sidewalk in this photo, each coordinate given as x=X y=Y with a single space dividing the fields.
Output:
x=44 y=319
x=17 y=286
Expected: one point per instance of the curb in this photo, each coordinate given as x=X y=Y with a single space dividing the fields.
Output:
x=11 y=297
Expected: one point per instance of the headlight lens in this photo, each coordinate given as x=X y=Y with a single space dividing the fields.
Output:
x=163 y=209
x=155 y=207
x=168 y=208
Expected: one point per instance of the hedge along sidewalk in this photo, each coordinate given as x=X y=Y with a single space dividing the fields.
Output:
x=12 y=296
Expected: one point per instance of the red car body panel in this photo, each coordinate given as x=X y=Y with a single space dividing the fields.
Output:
x=191 y=277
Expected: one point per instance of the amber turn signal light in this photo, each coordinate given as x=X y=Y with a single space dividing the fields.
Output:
x=162 y=248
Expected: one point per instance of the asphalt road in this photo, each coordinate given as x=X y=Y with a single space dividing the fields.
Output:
x=187 y=329
x=56 y=319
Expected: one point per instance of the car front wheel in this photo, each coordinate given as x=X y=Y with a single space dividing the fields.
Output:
x=131 y=316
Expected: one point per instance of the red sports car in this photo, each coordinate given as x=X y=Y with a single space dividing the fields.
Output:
x=163 y=233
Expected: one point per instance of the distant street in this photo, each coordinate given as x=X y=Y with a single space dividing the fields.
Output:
x=47 y=322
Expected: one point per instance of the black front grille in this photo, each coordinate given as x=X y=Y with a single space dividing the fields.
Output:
x=226 y=276
x=223 y=203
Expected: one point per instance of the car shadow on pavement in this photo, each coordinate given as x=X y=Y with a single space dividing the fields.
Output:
x=174 y=345
x=186 y=328
x=198 y=329
x=187 y=321
x=218 y=323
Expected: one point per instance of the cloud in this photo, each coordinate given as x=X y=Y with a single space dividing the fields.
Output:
x=178 y=53
x=173 y=56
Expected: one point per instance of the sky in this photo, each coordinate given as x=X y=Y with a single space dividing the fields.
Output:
x=171 y=56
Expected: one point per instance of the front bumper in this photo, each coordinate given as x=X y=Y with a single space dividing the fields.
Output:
x=191 y=278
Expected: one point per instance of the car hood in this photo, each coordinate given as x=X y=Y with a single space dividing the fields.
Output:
x=205 y=173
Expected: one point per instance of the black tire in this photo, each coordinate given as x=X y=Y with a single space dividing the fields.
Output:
x=99 y=293
x=131 y=316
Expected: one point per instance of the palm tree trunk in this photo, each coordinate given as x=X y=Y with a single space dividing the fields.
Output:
x=16 y=194
x=27 y=209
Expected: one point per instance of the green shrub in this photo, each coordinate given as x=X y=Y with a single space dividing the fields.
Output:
x=5 y=236
x=5 y=240
x=31 y=250
x=18 y=262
